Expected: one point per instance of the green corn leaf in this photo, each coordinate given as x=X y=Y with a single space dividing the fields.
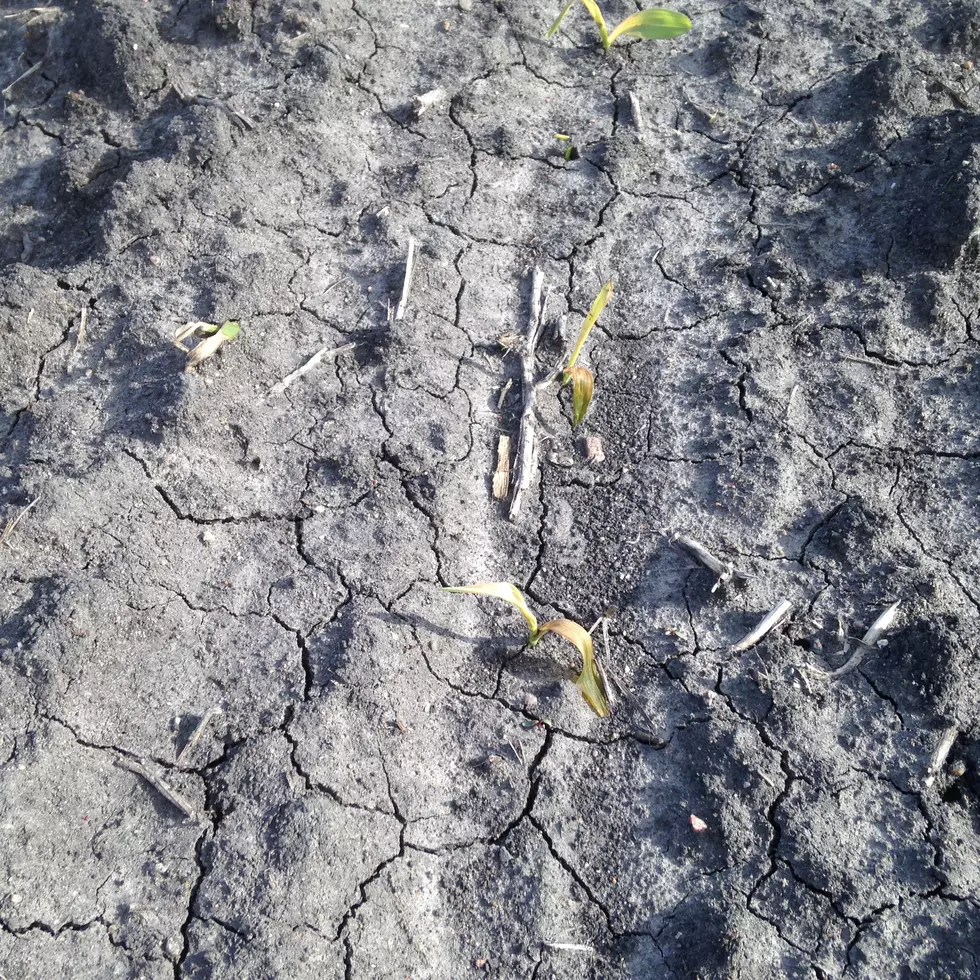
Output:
x=657 y=24
x=230 y=329
x=593 y=9
x=597 y=307
x=564 y=10
x=589 y=681
x=507 y=592
x=583 y=385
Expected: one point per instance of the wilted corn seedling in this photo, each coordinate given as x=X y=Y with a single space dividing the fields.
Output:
x=209 y=336
x=655 y=24
x=589 y=681
x=582 y=379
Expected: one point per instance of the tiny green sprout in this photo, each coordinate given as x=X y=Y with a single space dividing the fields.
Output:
x=571 y=150
x=589 y=681
x=654 y=24
x=210 y=337
x=581 y=379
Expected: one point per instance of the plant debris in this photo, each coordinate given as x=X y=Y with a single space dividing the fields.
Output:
x=209 y=336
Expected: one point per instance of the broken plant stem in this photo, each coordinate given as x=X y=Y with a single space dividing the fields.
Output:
x=939 y=755
x=868 y=641
x=725 y=571
x=604 y=672
x=767 y=625
x=160 y=785
x=501 y=477
x=525 y=439
x=882 y=623
x=11 y=524
x=608 y=675
x=30 y=71
x=409 y=277
x=196 y=736
x=636 y=112
x=324 y=353
x=238 y=118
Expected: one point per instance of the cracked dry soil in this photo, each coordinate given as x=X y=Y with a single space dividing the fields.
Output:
x=394 y=787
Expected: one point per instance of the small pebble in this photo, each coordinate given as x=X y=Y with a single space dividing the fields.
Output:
x=466 y=5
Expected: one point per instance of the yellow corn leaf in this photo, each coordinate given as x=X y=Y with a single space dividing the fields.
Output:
x=597 y=307
x=507 y=592
x=583 y=384
x=194 y=328
x=592 y=7
x=589 y=681
x=656 y=24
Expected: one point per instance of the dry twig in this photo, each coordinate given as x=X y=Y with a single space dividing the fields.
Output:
x=324 y=353
x=636 y=112
x=725 y=571
x=525 y=441
x=196 y=735
x=409 y=277
x=501 y=477
x=782 y=609
x=30 y=71
x=867 y=642
x=159 y=784
x=939 y=755
x=11 y=524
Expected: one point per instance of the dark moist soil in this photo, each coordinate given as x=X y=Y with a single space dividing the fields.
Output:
x=388 y=784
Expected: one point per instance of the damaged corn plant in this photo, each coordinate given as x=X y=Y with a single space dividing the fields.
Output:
x=209 y=336
x=655 y=24
x=589 y=681
x=581 y=379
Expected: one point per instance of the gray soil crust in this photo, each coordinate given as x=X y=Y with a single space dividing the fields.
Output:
x=243 y=732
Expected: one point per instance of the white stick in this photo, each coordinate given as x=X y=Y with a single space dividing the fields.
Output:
x=160 y=785
x=938 y=758
x=724 y=570
x=882 y=623
x=322 y=354
x=409 y=276
x=767 y=625
x=525 y=441
x=868 y=641
x=20 y=78
x=196 y=736
x=501 y=477
x=636 y=112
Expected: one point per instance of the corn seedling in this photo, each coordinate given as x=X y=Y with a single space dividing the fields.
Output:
x=581 y=379
x=589 y=681
x=570 y=151
x=209 y=338
x=655 y=24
